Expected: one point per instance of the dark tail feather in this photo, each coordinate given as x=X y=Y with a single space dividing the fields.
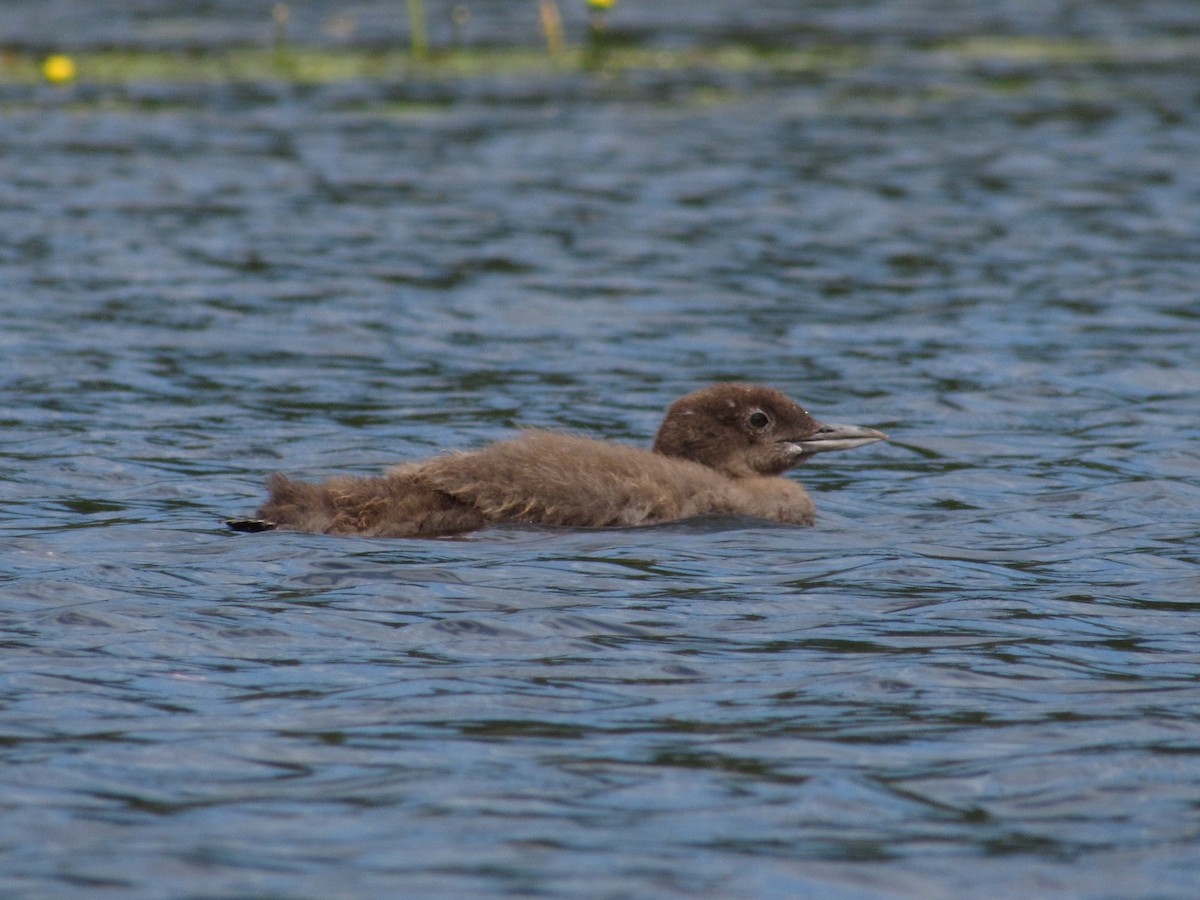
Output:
x=250 y=526
x=269 y=516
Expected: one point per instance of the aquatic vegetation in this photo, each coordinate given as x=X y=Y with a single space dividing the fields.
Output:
x=418 y=33
x=58 y=68
x=551 y=27
x=309 y=64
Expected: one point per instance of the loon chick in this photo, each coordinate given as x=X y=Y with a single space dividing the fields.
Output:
x=720 y=449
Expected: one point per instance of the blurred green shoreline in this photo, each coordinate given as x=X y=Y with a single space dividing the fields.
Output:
x=321 y=65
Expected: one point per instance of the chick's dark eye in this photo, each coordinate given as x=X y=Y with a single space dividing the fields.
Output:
x=758 y=419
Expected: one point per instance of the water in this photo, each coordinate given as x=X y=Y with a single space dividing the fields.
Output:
x=976 y=676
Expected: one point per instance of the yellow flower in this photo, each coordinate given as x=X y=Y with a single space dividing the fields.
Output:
x=58 y=68
x=601 y=4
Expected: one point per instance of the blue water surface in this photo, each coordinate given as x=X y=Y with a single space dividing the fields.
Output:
x=978 y=675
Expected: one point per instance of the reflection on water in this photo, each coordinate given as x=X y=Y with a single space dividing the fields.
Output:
x=975 y=675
